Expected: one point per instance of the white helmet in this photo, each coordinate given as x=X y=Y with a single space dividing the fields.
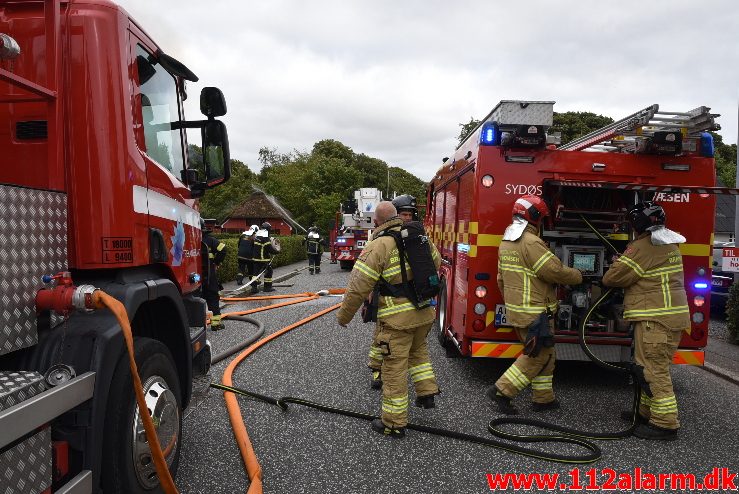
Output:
x=262 y=233
x=313 y=235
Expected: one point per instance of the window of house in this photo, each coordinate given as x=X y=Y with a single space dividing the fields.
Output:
x=159 y=110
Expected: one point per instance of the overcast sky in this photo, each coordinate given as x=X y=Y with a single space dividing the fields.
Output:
x=393 y=79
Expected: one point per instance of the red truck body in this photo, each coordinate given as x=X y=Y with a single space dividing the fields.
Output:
x=95 y=182
x=469 y=207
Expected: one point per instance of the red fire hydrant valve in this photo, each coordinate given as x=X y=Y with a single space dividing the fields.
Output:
x=65 y=297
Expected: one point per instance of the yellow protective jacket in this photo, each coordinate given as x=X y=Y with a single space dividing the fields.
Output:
x=380 y=258
x=652 y=278
x=527 y=274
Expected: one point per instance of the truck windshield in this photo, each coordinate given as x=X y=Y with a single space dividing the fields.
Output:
x=159 y=109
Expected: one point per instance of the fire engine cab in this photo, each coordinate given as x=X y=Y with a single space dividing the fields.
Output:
x=589 y=184
x=97 y=192
x=354 y=224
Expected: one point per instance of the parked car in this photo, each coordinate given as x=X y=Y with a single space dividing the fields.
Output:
x=721 y=281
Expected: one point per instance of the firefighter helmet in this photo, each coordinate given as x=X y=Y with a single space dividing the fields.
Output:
x=646 y=214
x=531 y=208
x=406 y=202
x=266 y=226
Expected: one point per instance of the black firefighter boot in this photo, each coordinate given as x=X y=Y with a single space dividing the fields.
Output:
x=504 y=403
x=376 y=379
x=650 y=431
x=379 y=426
x=425 y=402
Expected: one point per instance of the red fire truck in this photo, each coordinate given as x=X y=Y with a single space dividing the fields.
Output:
x=353 y=226
x=650 y=155
x=96 y=193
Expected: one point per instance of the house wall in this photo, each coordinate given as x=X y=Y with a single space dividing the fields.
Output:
x=238 y=225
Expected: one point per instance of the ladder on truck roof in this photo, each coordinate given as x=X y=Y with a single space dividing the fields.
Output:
x=646 y=122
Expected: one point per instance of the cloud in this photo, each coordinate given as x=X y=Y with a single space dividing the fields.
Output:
x=394 y=80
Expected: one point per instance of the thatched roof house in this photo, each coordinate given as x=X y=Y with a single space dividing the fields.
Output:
x=257 y=209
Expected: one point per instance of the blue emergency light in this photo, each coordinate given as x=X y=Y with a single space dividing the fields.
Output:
x=706 y=143
x=490 y=134
x=701 y=285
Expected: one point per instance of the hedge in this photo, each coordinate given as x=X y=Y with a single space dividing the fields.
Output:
x=732 y=312
x=292 y=251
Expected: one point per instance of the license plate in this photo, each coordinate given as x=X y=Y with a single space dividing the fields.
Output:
x=500 y=316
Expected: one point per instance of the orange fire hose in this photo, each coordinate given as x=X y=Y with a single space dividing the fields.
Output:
x=249 y=457
x=101 y=299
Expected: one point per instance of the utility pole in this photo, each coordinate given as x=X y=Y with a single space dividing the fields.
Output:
x=387 y=193
x=736 y=183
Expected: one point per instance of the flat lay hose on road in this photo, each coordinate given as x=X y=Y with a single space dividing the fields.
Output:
x=253 y=469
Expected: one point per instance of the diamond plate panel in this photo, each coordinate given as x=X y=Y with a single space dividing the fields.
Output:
x=523 y=113
x=26 y=467
x=18 y=386
x=33 y=242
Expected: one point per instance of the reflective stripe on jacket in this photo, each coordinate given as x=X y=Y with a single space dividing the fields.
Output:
x=653 y=282
x=263 y=250
x=527 y=274
x=380 y=258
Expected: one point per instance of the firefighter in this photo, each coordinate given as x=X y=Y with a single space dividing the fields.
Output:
x=246 y=247
x=402 y=327
x=405 y=205
x=314 y=248
x=651 y=273
x=262 y=257
x=213 y=255
x=527 y=274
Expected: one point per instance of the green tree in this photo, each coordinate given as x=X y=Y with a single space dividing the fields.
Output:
x=466 y=129
x=220 y=201
x=403 y=182
x=725 y=158
x=330 y=148
x=573 y=124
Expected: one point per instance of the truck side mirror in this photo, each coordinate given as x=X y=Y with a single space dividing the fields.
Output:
x=216 y=155
x=212 y=102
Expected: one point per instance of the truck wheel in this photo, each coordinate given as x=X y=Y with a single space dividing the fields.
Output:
x=127 y=465
x=440 y=323
x=346 y=265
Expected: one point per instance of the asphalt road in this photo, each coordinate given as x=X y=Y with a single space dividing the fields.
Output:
x=308 y=451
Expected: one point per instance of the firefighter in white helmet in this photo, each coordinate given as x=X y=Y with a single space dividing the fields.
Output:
x=245 y=252
x=262 y=257
x=527 y=274
x=651 y=273
x=314 y=249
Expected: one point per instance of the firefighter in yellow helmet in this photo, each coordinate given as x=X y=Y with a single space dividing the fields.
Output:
x=402 y=327
x=527 y=274
x=651 y=273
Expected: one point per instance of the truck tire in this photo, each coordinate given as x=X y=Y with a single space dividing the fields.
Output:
x=127 y=466
x=346 y=265
x=440 y=323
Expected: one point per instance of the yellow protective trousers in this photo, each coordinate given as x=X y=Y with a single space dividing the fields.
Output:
x=374 y=360
x=654 y=347
x=404 y=353
x=535 y=371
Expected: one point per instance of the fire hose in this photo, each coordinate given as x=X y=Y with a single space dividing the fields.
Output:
x=561 y=434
